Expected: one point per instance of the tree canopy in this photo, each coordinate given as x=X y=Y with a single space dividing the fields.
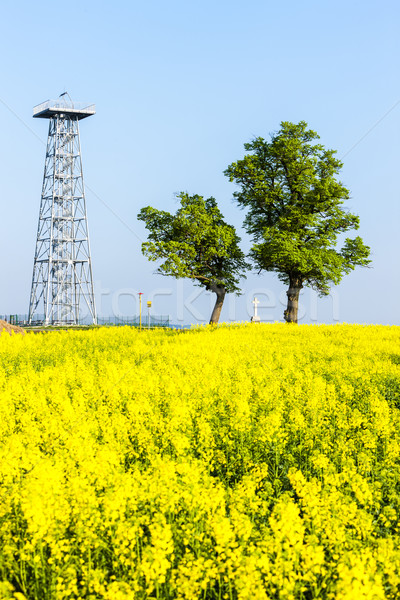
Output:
x=196 y=243
x=295 y=211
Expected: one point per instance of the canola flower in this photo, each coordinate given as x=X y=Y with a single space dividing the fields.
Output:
x=240 y=462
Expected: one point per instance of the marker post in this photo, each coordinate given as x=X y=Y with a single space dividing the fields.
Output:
x=140 y=310
x=148 y=313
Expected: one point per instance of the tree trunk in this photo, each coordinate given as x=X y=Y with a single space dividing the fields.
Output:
x=220 y=291
x=293 y=293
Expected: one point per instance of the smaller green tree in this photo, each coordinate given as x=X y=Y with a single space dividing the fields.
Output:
x=196 y=243
x=295 y=211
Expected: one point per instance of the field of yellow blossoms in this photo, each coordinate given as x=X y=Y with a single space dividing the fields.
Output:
x=247 y=462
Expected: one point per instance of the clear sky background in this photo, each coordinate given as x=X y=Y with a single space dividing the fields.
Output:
x=179 y=87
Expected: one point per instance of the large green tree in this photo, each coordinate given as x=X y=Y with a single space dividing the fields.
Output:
x=295 y=211
x=196 y=243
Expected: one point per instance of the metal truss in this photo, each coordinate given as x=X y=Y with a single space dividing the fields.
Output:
x=62 y=282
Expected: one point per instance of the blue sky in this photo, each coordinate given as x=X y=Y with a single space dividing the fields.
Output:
x=179 y=87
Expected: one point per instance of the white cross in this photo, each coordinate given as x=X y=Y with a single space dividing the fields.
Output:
x=256 y=303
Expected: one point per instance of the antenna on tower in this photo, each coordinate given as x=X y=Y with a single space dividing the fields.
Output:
x=62 y=281
x=68 y=96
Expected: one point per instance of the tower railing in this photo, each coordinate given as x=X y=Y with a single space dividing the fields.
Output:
x=63 y=105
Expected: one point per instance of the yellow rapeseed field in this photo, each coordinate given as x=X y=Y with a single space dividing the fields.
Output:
x=247 y=462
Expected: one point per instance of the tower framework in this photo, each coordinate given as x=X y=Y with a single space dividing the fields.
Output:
x=62 y=281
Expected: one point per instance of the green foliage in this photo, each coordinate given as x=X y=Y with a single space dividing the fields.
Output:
x=196 y=243
x=295 y=208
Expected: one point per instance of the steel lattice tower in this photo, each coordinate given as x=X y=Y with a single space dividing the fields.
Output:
x=62 y=281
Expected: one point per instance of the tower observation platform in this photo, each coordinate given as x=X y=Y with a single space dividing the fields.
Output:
x=61 y=106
